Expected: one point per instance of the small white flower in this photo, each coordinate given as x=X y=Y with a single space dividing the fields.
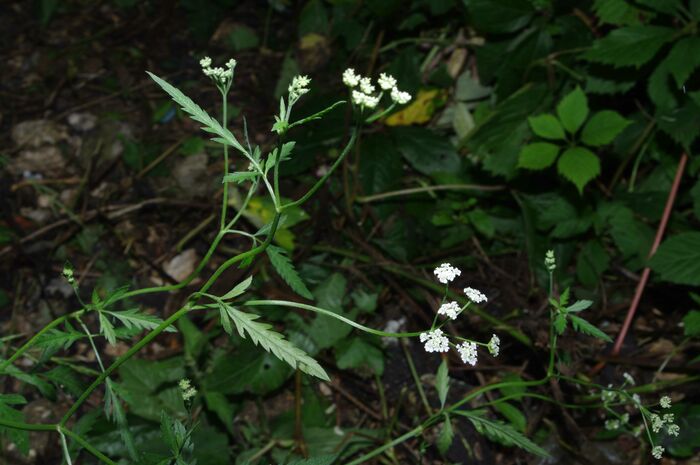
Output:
x=400 y=97
x=205 y=62
x=371 y=101
x=475 y=295
x=366 y=85
x=636 y=399
x=450 y=309
x=435 y=341
x=467 y=352
x=231 y=63
x=656 y=422
x=665 y=402
x=628 y=378
x=351 y=79
x=668 y=418
x=657 y=452
x=494 y=345
x=386 y=81
x=612 y=425
x=446 y=273
x=673 y=429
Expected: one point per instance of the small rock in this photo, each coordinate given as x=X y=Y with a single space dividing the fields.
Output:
x=82 y=121
x=36 y=133
x=47 y=161
x=192 y=177
x=181 y=265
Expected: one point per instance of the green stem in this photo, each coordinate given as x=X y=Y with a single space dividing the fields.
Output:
x=88 y=447
x=286 y=303
x=27 y=426
x=405 y=437
x=121 y=360
x=420 y=190
x=224 y=123
x=416 y=380
x=320 y=182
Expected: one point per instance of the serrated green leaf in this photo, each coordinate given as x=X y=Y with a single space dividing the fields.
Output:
x=603 y=128
x=630 y=46
x=573 y=110
x=107 y=329
x=596 y=85
x=238 y=289
x=579 y=306
x=678 y=259
x=56 y=339
x=274 y=342
x=198 y=114
x=617 y=12
x=501 y=433
x=286 y=270
x=583 y=326
x=683 y=59
x=240 y=177
x=133 y=318
x=560 y=323
x=444 y=440
x=442 y=383
x=547 y=126
x=538 y=156
x=579 y=165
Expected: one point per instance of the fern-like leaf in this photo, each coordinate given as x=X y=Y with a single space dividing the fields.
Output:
x=273 y=342
x=107 y=329
x=56 y=339
x=583 y=326
x=284 y=267
x=198 y=114
x=502 y=433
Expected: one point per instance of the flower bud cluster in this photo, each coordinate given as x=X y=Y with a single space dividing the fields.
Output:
x=221 y=76
x=363 y=90
x=298 y=87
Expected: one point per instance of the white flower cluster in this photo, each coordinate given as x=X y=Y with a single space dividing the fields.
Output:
x=446 y=273
x=475 y=295
x=219 y=75
x=186 y=389
x=450 y=309
x=665 y=402
x=435 y=341
x=467 y=352
x=298 y=87
x=657 y=452
x=364 y=97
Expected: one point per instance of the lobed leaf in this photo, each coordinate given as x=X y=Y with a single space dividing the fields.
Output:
x=579 y=165
x=198 y=114
x=273 y=342
x=583 y=326
x=284 y=267
x=500 y=432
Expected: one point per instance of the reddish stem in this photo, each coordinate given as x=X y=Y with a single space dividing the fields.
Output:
x=657 y=240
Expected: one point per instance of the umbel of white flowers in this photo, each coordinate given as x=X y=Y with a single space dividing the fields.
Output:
x=363 y=91
x=435 y=340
